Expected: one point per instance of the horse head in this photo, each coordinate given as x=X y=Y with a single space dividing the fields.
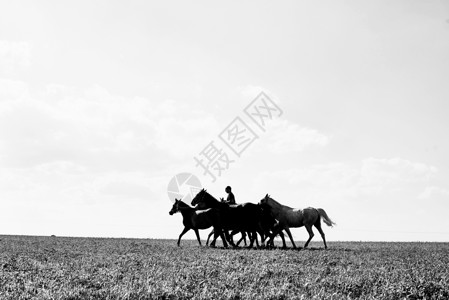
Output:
x=265 y=199
x=199 y=197
x=175 y=207
x=204 y=200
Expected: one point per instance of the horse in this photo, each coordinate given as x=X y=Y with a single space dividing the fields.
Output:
x=243 y=238
x=199 y=219
x=240 y=217
x=268 y=226
x=295 y=217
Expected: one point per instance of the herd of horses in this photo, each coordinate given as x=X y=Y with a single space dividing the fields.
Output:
x=268 y=218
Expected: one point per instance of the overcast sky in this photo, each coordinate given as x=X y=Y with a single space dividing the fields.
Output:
x=103 y=102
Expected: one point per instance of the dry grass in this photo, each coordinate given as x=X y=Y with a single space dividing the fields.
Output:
x=89 y=268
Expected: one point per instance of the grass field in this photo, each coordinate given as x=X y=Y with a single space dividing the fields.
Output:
x=92 y=268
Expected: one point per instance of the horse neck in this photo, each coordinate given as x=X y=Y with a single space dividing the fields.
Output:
x=274 y=204
x=211 y=201
x=186 y=210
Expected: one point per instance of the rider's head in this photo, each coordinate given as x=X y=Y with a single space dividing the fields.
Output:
x=228 y=189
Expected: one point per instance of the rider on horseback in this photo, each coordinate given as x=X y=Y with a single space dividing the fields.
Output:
x=230 y=199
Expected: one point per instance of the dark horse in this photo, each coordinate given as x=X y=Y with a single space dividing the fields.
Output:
x=241 y=217
x=243 y=238
x=199 y=219
x=269 y=227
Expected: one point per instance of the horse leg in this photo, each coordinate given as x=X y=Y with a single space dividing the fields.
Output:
x=182 y=233
x=270 y=235
x=290 y=236
x=223 y=239
x=216 y=234
x=208 y=237
x=257 y=242
x=241 y=239
x=318 y=226
x=197 y=236
x=262 y=239
x=228 y=237
x=270 y=243
x=281 y=234
x=231 y=237
x=309 y=230
x=251 y=235
x=275 y=232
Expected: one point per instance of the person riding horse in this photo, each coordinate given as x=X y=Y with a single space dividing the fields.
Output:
x=230 y=199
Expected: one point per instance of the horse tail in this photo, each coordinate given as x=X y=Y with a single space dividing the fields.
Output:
x=325 y=217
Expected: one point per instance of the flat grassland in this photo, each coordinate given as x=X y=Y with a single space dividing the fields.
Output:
x=94 y=268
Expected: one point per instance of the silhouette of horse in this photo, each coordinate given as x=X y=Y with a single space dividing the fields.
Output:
x=268 y=226
x=243 y=238
x=240 y=217
x=199 y=219
x=295 y=217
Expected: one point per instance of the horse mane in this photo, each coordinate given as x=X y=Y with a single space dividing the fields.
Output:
x=279 y=204
x=210 y=196
x=183 y=206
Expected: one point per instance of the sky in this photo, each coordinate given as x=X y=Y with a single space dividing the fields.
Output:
x=102 y=103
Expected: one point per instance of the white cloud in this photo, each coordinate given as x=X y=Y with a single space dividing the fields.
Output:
x=14 y=56
x=96 y=128
x=61 y=144
x=395 y=171
x=250 y=92
x=68 y=182
x=12 y=89
x=281 y=136
x=434 y=191
x=340 y=181
x=284 y=136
